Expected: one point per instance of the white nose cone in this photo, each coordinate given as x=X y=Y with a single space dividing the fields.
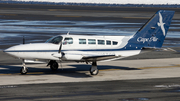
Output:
x=34 y=51
x=13 y=50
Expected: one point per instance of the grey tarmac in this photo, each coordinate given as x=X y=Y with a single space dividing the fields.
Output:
x=121 y=80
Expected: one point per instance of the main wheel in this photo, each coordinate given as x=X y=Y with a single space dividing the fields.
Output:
x=23 y=70
x=54 y=66
x=94 y=72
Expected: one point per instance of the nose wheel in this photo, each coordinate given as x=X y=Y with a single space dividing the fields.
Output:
x=24 y=69
x=93 y=70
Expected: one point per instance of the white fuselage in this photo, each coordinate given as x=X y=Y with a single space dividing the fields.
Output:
x=75 y=47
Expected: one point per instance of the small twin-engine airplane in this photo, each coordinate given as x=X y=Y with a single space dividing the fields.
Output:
x=90 y=49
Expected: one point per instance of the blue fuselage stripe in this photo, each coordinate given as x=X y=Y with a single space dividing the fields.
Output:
x=93 y=50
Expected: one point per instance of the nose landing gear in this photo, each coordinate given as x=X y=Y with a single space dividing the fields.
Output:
x=24 y=69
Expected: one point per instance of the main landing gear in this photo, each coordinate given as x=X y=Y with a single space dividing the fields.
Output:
x=24 y=69
x=93 y=70
x=53 y=65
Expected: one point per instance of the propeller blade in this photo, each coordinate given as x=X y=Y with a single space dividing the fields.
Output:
x=60 y=48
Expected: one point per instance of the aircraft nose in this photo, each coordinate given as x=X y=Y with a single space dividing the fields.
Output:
x=8 y=50
x=11 y=51
x=5 y=50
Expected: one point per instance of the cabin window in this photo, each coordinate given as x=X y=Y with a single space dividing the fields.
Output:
x=108 y=42
x=82 y=41
x=115 y=43
x=101 y=42
x=68 y=41
x=91 y=41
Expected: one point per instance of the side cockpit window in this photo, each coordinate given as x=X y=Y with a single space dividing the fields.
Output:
x=68 y=41
x=55 y=40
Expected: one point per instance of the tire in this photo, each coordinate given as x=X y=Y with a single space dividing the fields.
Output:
x=54 y=66
x=23 y=71
x=95 y=72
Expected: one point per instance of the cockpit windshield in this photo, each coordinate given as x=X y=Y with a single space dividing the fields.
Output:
x=55 y=40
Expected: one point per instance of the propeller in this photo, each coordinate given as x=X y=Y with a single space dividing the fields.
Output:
x=60 y=48
x=59 y=54
x=62 y=54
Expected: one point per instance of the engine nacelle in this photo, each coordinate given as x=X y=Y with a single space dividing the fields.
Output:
x=72 y=57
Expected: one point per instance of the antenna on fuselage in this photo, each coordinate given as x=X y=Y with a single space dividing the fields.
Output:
x=68 y=32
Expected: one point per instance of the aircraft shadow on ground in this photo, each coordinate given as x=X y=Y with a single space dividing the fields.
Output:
x=102 y=67
x=79 y=71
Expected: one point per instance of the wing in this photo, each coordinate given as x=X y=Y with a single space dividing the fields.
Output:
x=99 y=57
x=160 y=18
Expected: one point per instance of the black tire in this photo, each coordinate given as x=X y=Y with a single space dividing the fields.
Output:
x=54 y=66
x=23 y=71
x=95 y=72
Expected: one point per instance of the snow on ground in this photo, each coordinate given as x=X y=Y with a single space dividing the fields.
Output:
x=110 y=1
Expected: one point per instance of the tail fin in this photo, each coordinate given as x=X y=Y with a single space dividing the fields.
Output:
x=153 y=33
